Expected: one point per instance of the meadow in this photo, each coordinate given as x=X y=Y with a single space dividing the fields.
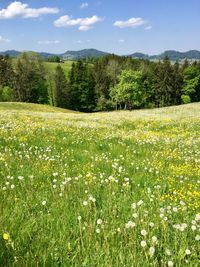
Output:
x=117 y=189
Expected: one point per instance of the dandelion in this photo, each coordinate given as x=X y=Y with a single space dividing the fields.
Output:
x=143 y=232
x=143 y=243
x=85 y=203
x=99 y=221
x=5 y=236
x=12 y=186
x=130 y=224
x=79 y=218
x=197 y=237
x=154 y=240
x=151 y=251
x=98 y=231
x=170 y=264
x=187 y=252
x=44 y=202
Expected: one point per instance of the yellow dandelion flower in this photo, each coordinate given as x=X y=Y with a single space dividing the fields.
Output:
x=5 y=236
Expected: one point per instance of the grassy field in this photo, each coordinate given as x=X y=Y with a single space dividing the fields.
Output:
x=117 y=189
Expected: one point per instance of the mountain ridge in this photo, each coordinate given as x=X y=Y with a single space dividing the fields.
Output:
x=88 y=53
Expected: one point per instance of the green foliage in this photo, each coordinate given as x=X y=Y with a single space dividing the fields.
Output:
x=79 y=190
x=61 y=98
x=6 y=94
x=30 y=85
x=185 y=99
x=54 y=59
x=192 y=83
x=129 y=90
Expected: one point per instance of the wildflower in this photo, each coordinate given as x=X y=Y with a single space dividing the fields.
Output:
x=143 y=243
x=170 y=264
x=12 y=186
x=134 y=206
x=44 y=202
x=168 y=252
x=197 y=237
x=98 y=231
x=79 y=218
x=187 y=252
x=99 y=221
x=5 y=236
x=130 y=224
x=151 y=251
x=143 y=232
x=85 y=203
x=154 y=240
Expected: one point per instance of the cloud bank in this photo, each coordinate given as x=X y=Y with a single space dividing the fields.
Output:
x=84 y=24
x=19 y=10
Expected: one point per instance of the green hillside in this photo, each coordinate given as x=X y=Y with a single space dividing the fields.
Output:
x=99 y=189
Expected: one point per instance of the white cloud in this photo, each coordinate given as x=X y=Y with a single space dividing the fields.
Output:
x=121 y=41
x=84 y=24
x=4 y=40
x=47 y=42
x=132 y=23
x=148 y=28
x=78 y=42
x=84 y=5
x=19 y=10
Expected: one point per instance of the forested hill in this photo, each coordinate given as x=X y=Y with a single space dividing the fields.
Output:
x=93 y=53
x=171 y=54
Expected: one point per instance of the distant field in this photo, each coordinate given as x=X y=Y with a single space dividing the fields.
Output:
x=51 y=66
x=116 y=189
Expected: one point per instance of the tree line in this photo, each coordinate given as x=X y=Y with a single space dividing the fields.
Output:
x=107 y=83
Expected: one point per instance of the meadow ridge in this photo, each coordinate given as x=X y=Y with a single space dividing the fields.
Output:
x=117 y=188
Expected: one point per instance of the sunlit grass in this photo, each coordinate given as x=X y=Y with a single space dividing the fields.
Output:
x=104 y=189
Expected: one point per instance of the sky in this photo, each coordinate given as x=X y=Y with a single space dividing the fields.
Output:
x=116 y=26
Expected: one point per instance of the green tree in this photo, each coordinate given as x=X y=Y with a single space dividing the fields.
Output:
x=61 y=97
x=30 y=82
x=191 y=89
x=129 y=90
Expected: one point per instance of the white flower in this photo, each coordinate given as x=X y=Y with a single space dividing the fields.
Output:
x=193 y=227
x=197 y=217
x=79 y=218
x=130 y=224
x=168 y=252
x=187 y=252
x=140 y=202
x=151 y=251
x=135 y=215
x=20 y=177
x=151 y=224
x=98 y=231
x=44 y=202
x=143 y=243
x=85 y=203
x=170 y=264
x=154 y=239
x=197 y=237
x=134 y=205
x=143 y=232
x=12 y=186
x=99 y=221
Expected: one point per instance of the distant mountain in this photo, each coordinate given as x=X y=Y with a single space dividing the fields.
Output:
x=171 y=54
x=85 y=53
x=139 y=55
x=11 y=53
x=88 y=53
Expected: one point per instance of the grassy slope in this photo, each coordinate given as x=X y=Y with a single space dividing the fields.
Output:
x=62 y=172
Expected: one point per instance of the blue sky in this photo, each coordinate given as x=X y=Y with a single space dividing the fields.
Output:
x=118 y=26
